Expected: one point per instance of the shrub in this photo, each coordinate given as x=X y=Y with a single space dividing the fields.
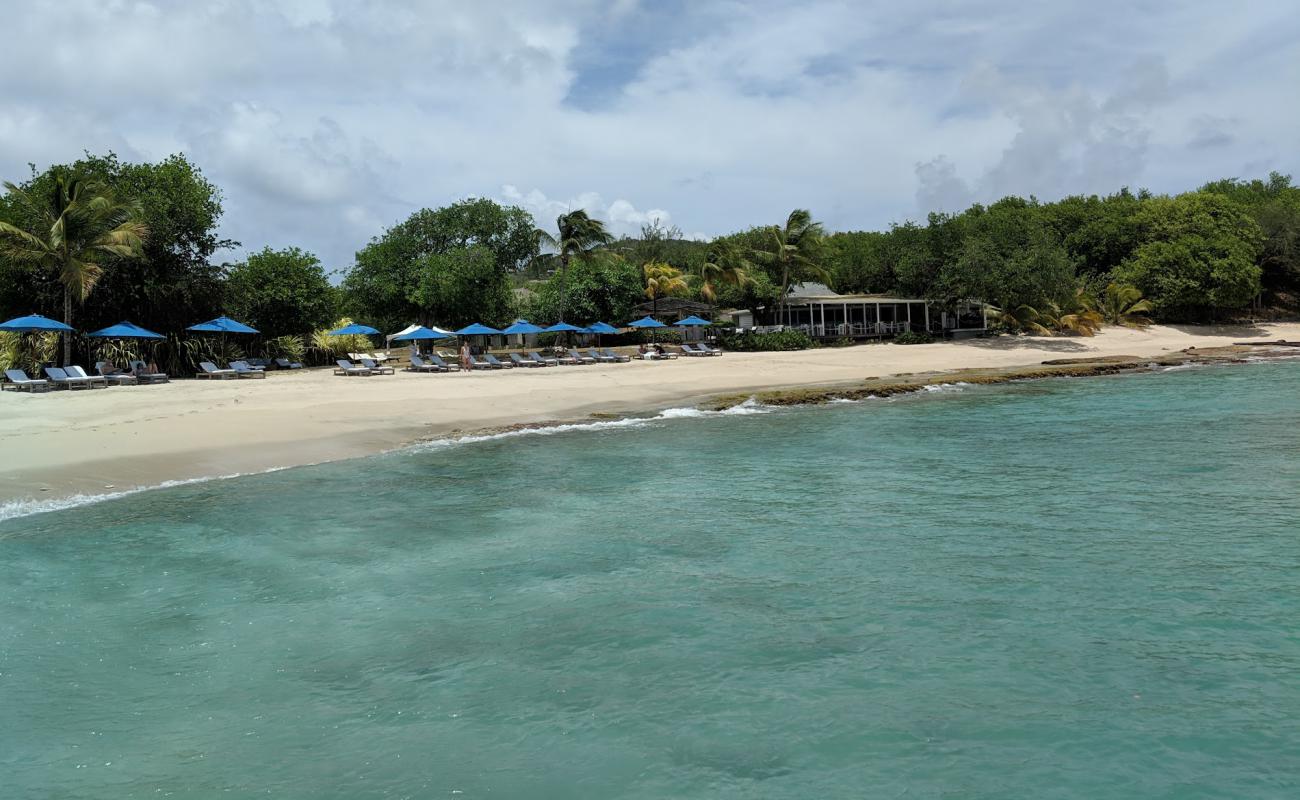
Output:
x=777 y=340
x=27 y=351
x=913 y=337
x=290 y=347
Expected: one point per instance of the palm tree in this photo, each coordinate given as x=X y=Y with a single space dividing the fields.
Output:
x=791 y=251
x=1024 y=319
x=72 y=230
x=723 y=263
x=1077 y=315
x=1122 y=304
x=661 y=280
x=579 y=235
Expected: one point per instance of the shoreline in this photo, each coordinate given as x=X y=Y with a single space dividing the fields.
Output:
x=90 y=445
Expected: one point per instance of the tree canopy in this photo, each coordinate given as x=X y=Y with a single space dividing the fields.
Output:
x=385 y=283
x=281 y=292
x=173 y=283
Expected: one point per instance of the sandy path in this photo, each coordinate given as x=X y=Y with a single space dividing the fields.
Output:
x=64 y=443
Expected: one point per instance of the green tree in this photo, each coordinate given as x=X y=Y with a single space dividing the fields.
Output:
x=790 y=253
x=463 y=286
x=384 y=284
x=1198 y=256
x=1097 y=233
x=723 y=263
x=603 y=287
x=72 y=230
x=861 y=261
x=1122 y=304
x=578 y=234
x=662 y=280
x=1274 y=204
x=1006 y=257
x=174 y=283
x=281 y=292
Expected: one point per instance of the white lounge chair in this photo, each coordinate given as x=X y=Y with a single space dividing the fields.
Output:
x=114 y=375
x=211 y=371
x=244 y=370
x=346 y=367
x=18 y=381
x=419 y=365
x=75 y=371
x=60 y=378
x=146 y=375
x=437 y=360
x=377 y=368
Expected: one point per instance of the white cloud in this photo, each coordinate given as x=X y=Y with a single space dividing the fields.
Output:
x=326 y=120
x=621 y=218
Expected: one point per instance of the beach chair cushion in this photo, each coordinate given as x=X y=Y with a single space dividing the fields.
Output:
x=19 y=381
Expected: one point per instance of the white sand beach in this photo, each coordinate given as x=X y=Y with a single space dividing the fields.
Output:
x=93 y=442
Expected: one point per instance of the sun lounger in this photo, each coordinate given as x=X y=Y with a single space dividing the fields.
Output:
x=497 y=363
x=601 y=357
x=60 y=378
x=378 y=355
x=524 y=361
x=709 y=350
x=75 y=371
x=258 y=363
x=284 y=363
x=211 y=371
x=418 y=365
x=474 y=363
x=114 y=375
x=539 y=359
x=377 y=368
x=437 y=361
x=144 y=375
x=582 y=357
x=611 y=354
x=242 y=369
x=691 y=351
x=18 y=381
x=346 y=367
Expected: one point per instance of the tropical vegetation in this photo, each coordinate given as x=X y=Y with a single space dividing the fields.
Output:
x=101 y=240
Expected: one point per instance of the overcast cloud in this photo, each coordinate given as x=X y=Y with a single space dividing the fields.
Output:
x=325 y=121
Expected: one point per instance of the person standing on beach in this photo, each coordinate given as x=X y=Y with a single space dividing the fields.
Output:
x=464 y=356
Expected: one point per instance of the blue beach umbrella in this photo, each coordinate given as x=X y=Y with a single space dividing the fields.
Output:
x=221 y=325
x=602 y=327
x=562 y=327
x=34 y=323
x=523 y=327
x=354 y=330
x=691 y=322
x=421 y=334
x=477 y=329
x=646 y=322
x=125 y=330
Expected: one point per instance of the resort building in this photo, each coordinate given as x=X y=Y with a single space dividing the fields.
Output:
x=825 y=314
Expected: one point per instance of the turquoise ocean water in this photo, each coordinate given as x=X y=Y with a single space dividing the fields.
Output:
x=1059 y=589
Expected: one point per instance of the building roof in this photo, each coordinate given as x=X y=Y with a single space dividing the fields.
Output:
x=811 y=292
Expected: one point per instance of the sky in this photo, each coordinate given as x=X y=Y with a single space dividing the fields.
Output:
x=326 y=121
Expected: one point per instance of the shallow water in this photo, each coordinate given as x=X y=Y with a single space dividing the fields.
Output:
x=1082 y=588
